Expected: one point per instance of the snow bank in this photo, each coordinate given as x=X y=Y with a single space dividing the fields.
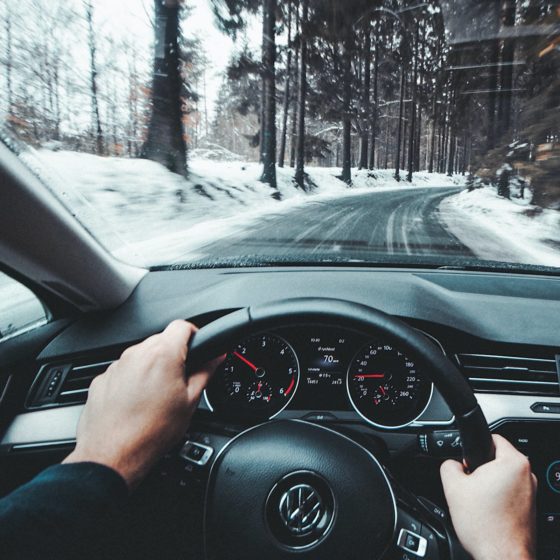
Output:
x=19 y=308
x=504 y=230
x=147 y=215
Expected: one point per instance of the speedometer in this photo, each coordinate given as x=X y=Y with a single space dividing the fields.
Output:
x=258 y=378
x=386 y=388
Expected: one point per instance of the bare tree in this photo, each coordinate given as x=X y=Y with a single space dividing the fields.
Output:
x=8 y=24
x=302 y=93
x=92 y=46
x=287 y=92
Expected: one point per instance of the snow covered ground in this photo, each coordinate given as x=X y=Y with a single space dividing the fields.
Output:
x=147 y=215
x=503 y=230
x=19 y=308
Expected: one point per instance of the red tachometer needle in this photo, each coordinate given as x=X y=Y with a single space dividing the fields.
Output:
x=371 y=375
x=290 y=387
x=245 y=360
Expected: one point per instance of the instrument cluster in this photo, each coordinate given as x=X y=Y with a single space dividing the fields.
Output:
x=319 y=368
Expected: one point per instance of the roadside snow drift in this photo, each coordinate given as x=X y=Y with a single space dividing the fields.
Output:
x=148 y=215
x=504 y=230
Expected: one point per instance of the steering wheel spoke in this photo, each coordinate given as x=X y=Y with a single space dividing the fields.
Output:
x=423 y=530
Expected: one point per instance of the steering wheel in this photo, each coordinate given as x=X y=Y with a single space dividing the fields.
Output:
x=291 y=488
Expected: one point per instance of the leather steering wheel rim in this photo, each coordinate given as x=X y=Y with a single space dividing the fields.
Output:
x=219 y=336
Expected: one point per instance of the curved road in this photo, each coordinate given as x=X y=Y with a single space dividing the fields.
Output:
x=387 y=222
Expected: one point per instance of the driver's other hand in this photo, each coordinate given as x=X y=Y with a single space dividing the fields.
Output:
x=142 y=405
x=493 y=509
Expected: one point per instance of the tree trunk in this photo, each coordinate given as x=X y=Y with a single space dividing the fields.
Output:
x=418 y=139
x=166 y=139
x=92 y=45
x=262 y=115
x=297 y=71
x=493 y=77
x=9 y=58
x=57 y=111
x=374 y=109
x=133 y=117
x=433 y=132
x=286 y=107
x=445 y=135
x=386 y=163
x=451 y=158
x=414 y=87
x=441 y=128
x=452 y=135
x=506 y=72
x=366 y=118
x=302 y=92
x=346 y=174
x=399 y=127
x=404 y=149
x=269 y=69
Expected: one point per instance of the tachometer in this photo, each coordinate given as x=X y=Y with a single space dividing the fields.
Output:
x=385 y=386
x=258 y=378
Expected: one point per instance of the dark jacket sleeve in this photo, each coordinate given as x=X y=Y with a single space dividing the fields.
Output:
x=62 y=513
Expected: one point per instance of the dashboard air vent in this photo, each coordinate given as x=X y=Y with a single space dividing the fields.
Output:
x=64 y=383
x=511 y=374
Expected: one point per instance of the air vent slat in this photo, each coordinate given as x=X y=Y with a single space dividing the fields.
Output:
x=72 y=385
x=510 y=374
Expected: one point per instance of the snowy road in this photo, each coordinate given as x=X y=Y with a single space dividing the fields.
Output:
x=388 y=222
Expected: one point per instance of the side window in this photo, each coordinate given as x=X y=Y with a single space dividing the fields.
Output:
x=20 y=310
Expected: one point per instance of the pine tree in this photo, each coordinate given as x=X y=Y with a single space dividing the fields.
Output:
x=166 y=139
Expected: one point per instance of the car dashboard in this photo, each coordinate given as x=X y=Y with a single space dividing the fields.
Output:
x=502 y=332
x=326 y=372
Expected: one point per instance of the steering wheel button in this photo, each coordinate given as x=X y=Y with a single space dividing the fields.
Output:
x=413 y=543
x=434 y=509
x=409 y=523
x=432 y=552
x=196 y=453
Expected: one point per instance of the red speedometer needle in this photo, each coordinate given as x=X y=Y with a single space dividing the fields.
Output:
x=371 y=375
x=245 y=360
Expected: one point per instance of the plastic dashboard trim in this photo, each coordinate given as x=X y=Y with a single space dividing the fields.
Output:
x=29 y=428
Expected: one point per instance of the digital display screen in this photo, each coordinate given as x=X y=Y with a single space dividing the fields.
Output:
x=324 y=365
x=540 y=441
x=324 y=355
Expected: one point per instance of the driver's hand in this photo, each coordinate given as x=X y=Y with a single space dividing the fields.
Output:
x=142 y=405
x=493 y=509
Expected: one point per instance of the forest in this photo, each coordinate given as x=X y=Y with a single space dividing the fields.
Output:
x=448 y=86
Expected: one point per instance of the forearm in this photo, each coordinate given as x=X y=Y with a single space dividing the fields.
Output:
x=501 y=550
x=61 y=513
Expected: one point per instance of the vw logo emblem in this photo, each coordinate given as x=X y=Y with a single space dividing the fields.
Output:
x=301 y=509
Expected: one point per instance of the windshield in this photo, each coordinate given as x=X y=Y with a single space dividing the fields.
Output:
x=202 y=132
